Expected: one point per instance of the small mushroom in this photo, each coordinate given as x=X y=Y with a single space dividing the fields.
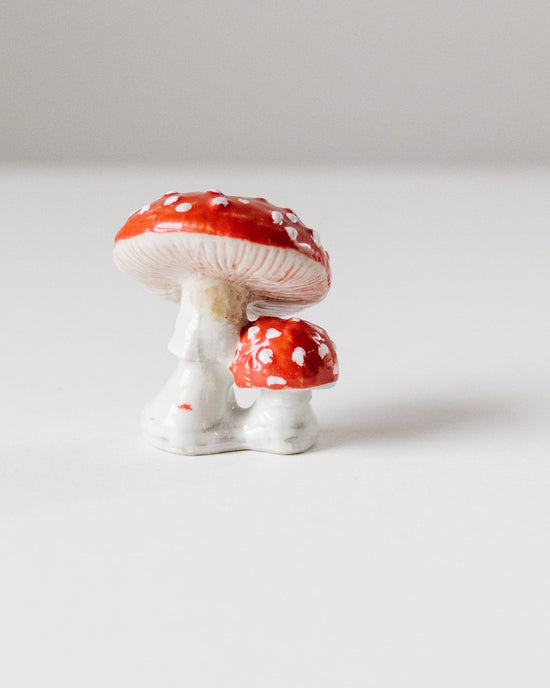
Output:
x=224 y=259
x=285 y=359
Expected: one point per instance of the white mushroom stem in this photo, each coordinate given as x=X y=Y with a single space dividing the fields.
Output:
x=210 y=318
x=196 y=411
x=281 y=421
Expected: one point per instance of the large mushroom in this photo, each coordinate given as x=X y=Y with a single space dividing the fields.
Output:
x=285 y=359
x=225 y=259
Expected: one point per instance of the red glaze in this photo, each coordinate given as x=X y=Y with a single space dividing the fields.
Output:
x=185 y=407
x=252 y=219
x=274 y=353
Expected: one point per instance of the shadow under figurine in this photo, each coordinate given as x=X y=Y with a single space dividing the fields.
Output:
x=235 y=265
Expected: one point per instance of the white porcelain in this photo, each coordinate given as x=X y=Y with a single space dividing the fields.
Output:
x=281 y=422
x=225 y=259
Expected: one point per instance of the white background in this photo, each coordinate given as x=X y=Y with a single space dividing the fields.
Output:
x=409 y=548
x=292 y=80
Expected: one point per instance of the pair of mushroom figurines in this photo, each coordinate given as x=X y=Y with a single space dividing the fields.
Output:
x=236 y=266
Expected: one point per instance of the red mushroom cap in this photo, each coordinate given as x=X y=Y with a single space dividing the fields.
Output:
x=247 y=241
x=284 y=354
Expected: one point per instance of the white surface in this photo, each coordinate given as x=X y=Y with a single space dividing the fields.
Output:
x=389 y=80
x=410 y=548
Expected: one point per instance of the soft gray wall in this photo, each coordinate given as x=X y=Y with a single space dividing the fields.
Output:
x=305 y=80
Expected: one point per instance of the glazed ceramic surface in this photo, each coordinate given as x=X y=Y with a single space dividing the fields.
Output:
x=226 y=259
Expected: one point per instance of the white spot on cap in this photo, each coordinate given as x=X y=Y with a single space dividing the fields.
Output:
x=274 y=380
x=213 y=191
x=244 y=200
x=171 y=199
x=252 y=331
x=220 y=200
x=277 y=217
x=272 y=333
x=298 y=355
x=335 y=368
x=323 y=350
x=292 y=232
x=183 y=207
x=266 y=355
x=316 y=238
x=144 y=209
x=295 y=319
x=292 y=217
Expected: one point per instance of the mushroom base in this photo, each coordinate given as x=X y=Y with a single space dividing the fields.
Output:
x=281 y=422
x=195 y=412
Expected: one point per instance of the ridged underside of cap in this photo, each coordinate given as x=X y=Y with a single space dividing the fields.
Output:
x=279 y=280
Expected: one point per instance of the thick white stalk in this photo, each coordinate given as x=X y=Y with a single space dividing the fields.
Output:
x=209 y=321
x=196 y=411
x=281 y=421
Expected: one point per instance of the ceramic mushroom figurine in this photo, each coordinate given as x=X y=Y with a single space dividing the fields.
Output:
x=285 y=359
x=225 y=259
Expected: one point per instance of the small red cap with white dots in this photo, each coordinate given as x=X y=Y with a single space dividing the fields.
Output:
x=274 y=353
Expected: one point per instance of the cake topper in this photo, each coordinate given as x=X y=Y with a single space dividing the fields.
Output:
x=228 y=259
